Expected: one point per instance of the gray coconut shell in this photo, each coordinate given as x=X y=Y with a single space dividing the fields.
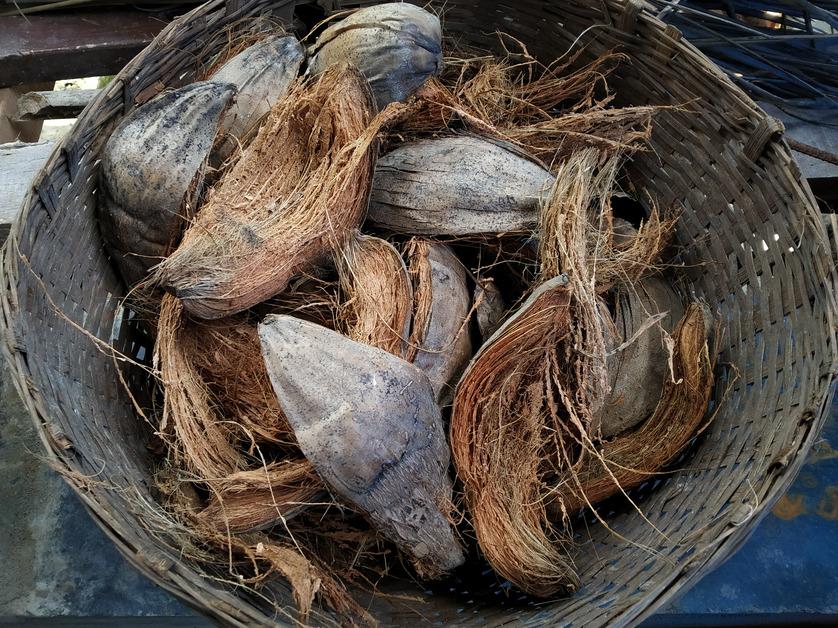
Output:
x=637 y=373
x=456 y=186
x=368 y=422
x=396 y=46
x=262 y=74
x=152 y=172
x=446 y=348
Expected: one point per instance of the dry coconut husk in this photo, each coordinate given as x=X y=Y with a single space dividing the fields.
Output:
x=576 y=237
x=395 y=45
x=368 y=422
x=646 y=314
x=153 y=171
x=292 y=198
x=262 y=73
x=456 y=186
x=501 y=442
x=255 y=560
x=219 y=410
x=440 y=343
x=260 y=498
x=626 y=460
x=548 y=112
x=377 y=295
x=489 y=306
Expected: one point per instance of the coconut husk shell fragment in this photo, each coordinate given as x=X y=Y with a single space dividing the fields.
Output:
x=646 y=314
x=369 y=424
x=396 y=46
x=440 y=343
x=456 y=186
x=262 y=74
x=152 y=173
x=292 y=198
x=501 y=440
x=489 y=305
x=377 y=302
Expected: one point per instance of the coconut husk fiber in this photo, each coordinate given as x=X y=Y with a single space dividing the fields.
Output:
x=501 y=441
x=546 y=111
x=377 y=303
x=220 y=414
x=292 y=198
x=626 y=460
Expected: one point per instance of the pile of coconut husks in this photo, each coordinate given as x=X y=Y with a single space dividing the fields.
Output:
x=410 y=311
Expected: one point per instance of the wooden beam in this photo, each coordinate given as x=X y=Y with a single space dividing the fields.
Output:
x=72 y=45
x=19 y=162
x=65 y=103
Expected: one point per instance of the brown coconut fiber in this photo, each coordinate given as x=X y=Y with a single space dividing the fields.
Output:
x=295 y=194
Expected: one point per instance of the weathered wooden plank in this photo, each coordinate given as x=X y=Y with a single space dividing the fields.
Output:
x=52 y=105
x=69 y=45
x=19 y=162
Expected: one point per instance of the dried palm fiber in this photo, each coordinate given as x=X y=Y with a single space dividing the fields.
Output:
x=646 y=314
x=455 y=186
x=368 y=422
x=440 y=343
x=396 y=46
x=635 y=455
x=502 y=446
x=299 y=188
x=217 y=404
x=489 y=306
x=152 y=173
x=255 y=559
x=262 y=73
x=576 y=238
x=261 y=498
x=377 y=302
x=547 y=112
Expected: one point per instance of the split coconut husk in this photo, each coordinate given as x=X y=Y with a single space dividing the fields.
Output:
x=646 y=315
x=456 y=186
x=377 y=302
x=292 y=198
x=368 y=422
x=262 y=73
x=501 y=442
x=153 y=171
x=440 y=343
x=396 y=46
x=489 y=306
x=637 y=454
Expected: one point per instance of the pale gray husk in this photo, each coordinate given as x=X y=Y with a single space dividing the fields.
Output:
x=396 y=46
x=446 y=347
x=456 y=186
x=262 y=74
x=368 y=422
x=152 y=173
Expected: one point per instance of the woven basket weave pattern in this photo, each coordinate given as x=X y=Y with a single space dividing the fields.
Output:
x=750 y=235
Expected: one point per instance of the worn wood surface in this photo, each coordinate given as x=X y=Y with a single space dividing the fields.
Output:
x=81 y=43
x=52 y=105
x=18 y=164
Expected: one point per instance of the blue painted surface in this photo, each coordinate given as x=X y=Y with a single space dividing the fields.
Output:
x=790 y=564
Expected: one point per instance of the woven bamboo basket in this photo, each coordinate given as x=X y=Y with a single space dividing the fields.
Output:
x=750 y=235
